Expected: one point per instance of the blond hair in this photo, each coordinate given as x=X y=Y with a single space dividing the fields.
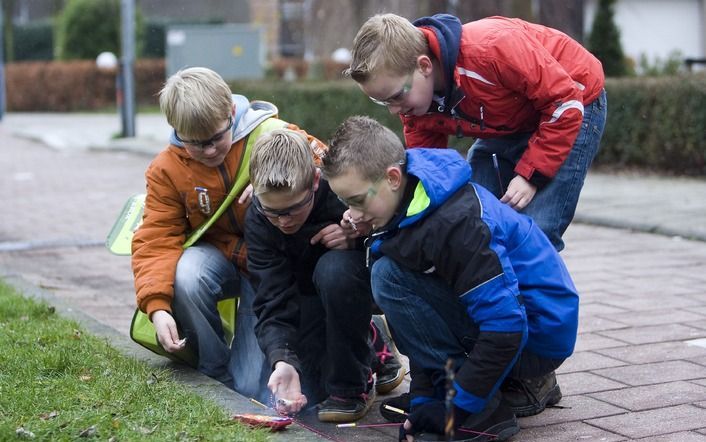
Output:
x=364 y=145
x=281 y=161
x=196 y=101
x=386 y=43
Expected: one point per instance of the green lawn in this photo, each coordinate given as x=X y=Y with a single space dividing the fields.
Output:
x=59 y=383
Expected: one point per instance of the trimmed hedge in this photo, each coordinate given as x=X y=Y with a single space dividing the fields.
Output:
x=317 y=108
x=653 y=123
x=57 y=86
x=656 y=123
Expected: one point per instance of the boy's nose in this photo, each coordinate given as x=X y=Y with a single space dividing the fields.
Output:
x=356 y=215
x=394 y=108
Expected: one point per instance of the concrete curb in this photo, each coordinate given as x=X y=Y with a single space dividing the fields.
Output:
x=638 y=227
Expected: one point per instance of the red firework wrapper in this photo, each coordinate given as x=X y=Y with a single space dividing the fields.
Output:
x=274 y=423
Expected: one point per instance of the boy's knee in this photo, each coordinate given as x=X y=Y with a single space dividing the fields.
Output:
x=385 y=270
x=337 y=268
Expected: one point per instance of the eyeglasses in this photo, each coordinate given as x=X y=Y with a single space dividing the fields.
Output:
x=211 y=141
x=399 y=96
x=359 y=202
x=296 y=209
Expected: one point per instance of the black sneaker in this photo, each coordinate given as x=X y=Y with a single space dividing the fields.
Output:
x=389 y=372
x=496 y=423
x=528 y=397
x=346 y=409
x=395 y=409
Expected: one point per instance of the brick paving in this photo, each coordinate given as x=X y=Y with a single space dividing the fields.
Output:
x=639 y=371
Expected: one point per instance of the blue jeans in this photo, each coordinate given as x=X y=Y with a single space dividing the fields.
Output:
x=553 y=207
x=430 y=325
x=204 y=277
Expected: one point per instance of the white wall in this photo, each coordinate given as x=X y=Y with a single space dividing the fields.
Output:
x=657 y=27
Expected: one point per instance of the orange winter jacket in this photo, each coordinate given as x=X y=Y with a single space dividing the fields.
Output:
x=175 y=206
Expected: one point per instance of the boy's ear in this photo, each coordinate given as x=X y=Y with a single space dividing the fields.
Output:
x=394 y=177
x=317 y=179
x=424 y=64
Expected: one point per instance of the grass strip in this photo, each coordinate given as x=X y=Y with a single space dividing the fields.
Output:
x=59 y=383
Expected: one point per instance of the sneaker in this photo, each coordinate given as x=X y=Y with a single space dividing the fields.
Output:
x=497 y=423
x=346 y=409
x=528 y=397
x=400 y=403
x=389 y=372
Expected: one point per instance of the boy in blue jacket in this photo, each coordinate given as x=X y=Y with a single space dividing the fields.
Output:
x=459 y=276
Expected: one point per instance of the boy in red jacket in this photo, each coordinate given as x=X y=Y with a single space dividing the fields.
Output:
x=531 y=95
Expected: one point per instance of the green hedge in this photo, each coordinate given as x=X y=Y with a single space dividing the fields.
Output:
x=656 y=123
x=318 y=107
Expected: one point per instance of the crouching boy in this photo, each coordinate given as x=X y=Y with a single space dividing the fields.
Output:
x=312 y=288
x=459 y=276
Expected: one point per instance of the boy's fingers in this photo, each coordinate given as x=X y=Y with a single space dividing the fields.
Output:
x=316 y=238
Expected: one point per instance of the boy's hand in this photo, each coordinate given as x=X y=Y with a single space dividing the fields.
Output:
x=352 y=228
x=285 y=386
x=333 y=236
x=167 y=333
x=246 y=196
x=430 y=418
x=519 y=193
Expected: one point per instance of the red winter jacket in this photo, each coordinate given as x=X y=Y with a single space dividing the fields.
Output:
x=511 y=76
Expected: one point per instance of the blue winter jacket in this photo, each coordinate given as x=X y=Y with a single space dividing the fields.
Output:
x=509 y=277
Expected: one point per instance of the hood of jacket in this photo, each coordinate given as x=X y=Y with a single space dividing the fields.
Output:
x=440 y=173
x=443 y=31
x=248 y=115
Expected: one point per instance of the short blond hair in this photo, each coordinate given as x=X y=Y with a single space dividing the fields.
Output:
x=364 y=145
x=196 y=101
x=386 y=43
x=281 y=161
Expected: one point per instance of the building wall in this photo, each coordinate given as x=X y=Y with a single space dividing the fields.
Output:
x=657 y=27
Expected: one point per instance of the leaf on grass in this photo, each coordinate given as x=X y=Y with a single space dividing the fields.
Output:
x=47 y=416
x=85 y=377
x=25 y=434
x=24 y=318
x=89 y=432
x=152 y=379
x=146 y=431
x=115 y=423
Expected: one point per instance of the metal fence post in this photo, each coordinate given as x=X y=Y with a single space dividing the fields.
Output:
x=126 y=66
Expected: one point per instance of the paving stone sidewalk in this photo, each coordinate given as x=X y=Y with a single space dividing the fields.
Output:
x=639 y=371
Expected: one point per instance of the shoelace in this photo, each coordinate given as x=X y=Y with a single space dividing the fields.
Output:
x=522 y=386
x=384 y=354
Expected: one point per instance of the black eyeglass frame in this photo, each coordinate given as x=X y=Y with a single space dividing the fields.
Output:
x=211 y=141
x=289 y=211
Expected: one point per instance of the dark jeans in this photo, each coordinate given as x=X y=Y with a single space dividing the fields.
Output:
x=553 y=207
x=335 y=322
x=430 y=325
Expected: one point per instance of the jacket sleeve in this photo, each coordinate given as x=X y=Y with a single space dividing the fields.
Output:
x=522 y=64
x=416 y=137
x=157 y=244
x=460 y=250
x=276 y=291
